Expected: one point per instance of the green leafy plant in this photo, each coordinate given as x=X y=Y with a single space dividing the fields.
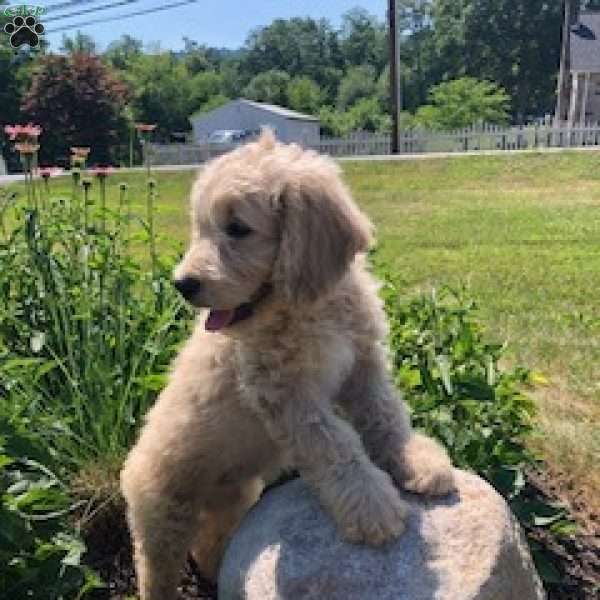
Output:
x=40 y=553
x=451 y=378
x=458 y=392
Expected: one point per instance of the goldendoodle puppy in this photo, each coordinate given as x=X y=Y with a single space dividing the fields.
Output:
x=287 y=366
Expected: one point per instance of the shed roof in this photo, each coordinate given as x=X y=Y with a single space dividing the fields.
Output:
x=585 y=42
x=273 y=108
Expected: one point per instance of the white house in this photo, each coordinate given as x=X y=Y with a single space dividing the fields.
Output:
x=585 y=68
x=579 y=88
x=241 y=114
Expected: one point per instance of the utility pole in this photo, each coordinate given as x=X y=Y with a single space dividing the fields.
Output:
x=394 y=74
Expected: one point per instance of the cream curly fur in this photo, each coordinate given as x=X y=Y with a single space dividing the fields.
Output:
x=304 y=382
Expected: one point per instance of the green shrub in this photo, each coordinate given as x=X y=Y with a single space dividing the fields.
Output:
x=40 y=554
x=460 y=103
x=453 y=383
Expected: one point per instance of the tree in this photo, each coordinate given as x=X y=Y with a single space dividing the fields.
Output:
x=366 y=115
x=363 y=39
x=214 y=102
x=195 y=56
x=419 y=66
x=415 y=15
x=334 y=123
x=232 y=80
x=16 y=66
x=203 y=87
x=300 y=46
x=121 y=52
x=270 y=86
x=163 y=92
x=462 y=102
x=77 y=100
x=515 y=43
x=80 y=43
x=358 y=83
x=9 y=88
x=304 y=95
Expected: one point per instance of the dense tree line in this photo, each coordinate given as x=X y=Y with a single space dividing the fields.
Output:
x=505 y=54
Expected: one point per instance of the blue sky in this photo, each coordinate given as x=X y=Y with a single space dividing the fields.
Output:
x=222 y=23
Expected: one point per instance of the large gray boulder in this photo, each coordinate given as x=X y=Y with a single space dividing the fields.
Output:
x=463 y=547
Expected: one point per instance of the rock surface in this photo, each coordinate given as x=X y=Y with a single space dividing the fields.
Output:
x=463 y=547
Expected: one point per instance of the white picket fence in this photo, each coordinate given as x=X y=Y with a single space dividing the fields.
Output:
x=477 y=138
x=487 y=137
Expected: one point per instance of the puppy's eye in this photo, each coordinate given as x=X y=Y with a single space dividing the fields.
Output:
x=237 y=229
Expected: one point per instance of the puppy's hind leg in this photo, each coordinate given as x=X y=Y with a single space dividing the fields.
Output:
x=162 y=517
x=161 y=529
x=189 y=459
x=219 y=521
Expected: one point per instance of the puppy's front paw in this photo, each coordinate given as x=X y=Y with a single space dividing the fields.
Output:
x=423 y=467
x=431 y=480
x=375 y=514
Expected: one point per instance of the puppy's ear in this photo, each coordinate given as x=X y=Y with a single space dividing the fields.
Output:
x=267 y=139
x=321 y=232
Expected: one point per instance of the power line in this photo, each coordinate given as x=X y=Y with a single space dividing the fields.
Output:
x=119 y=17
x=90 y=10
x=69 y=4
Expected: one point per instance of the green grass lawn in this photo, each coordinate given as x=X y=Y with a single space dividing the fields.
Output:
x=522 y=231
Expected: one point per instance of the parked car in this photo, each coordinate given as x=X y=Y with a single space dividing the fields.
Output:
x=226 y=136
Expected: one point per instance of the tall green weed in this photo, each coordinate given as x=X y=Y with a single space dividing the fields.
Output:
x=87 y=329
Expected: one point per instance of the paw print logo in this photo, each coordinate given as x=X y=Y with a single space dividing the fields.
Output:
x=24 y=31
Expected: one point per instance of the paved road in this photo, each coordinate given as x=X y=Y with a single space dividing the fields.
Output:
x=4 y=179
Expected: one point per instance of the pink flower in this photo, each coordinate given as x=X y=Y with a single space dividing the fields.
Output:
x=30 y=130
x=101 y=171
x=12 y=131
x=27 y=148
x=145 y=127
x=47 y=172
x=80 y=151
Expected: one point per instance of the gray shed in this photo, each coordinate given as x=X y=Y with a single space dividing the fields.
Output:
x=241 y=114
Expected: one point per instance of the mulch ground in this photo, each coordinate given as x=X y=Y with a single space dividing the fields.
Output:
x=576 y=558
x=110 y=556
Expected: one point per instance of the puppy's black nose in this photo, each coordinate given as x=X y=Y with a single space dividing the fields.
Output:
x=188 y=287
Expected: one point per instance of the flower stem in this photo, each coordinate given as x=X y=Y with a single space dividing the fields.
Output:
x=103 y=203
x=150 y=210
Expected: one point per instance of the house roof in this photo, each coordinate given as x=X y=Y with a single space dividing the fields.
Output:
x=585 y=42
x=273 y=108
x=288 y=113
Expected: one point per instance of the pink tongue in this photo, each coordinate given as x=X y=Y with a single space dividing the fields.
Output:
x=217 y=319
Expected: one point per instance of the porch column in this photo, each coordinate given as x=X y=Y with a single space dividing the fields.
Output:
x=574 y=99
x=586 y=95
